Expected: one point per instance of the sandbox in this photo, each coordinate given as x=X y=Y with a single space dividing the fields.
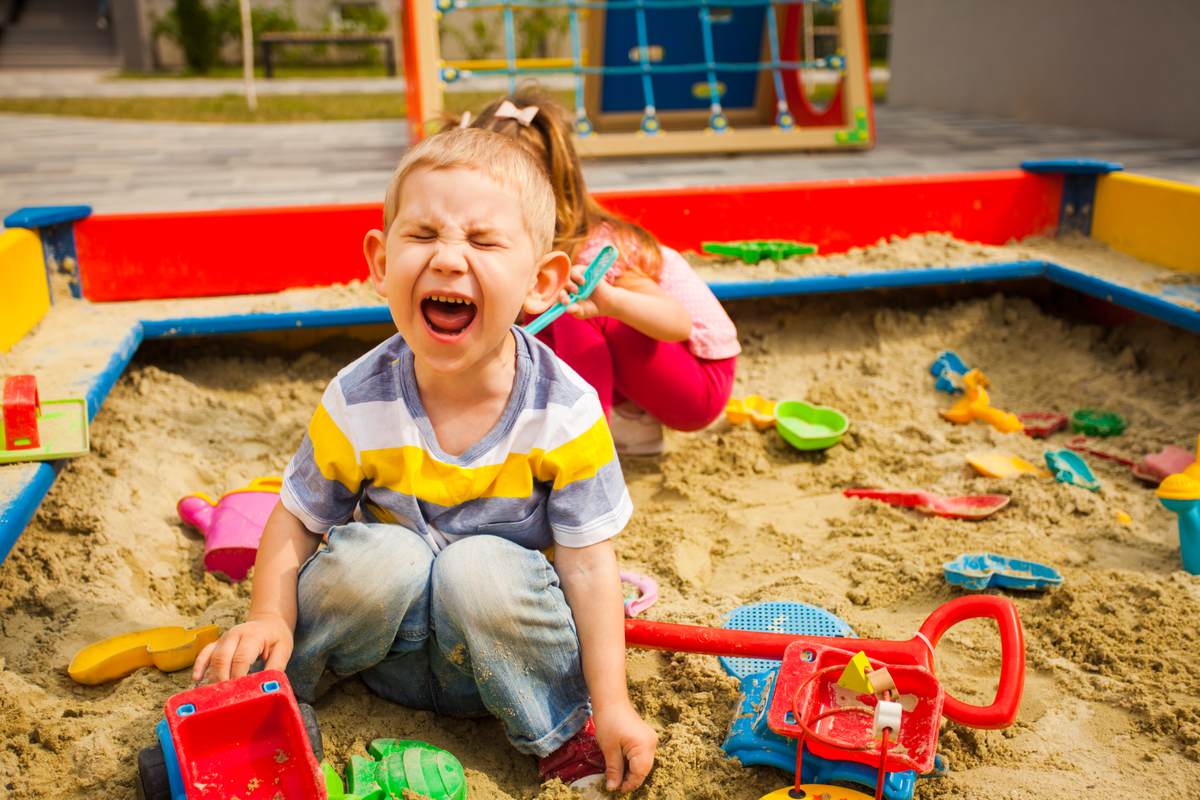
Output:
x=728 y=516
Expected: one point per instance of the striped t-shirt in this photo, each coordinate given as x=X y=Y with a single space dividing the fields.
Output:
x=547 y=472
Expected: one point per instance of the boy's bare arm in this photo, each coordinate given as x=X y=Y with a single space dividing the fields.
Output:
x=592 y=585
x=267 y=631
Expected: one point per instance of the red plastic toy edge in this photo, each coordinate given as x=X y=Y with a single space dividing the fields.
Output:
x=918 y=650
x=20 y=409
x=246 y=251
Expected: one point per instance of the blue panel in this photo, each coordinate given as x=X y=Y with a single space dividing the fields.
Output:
x=1072 y=166
x=737 y=39
x=41 y=216
x=778 y=617
x=284 y=320
x=16 y=515
x=1151 y=305
x=825 y=284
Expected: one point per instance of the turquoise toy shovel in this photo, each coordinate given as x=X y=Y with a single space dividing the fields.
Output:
x=591 y=278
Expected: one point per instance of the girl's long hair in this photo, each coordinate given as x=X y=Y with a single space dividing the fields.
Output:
x=548 y=138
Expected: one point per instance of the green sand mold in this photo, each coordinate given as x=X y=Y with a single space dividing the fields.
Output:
x=62 y=428
x=809 y=427
x=394 y=766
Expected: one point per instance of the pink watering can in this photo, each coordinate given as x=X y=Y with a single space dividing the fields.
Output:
x=231 y=525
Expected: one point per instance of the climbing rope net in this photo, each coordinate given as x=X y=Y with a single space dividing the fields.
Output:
x=645 y=67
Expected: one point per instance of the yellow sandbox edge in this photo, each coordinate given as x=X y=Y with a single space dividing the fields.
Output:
x=26 y=297
x=1152 y=219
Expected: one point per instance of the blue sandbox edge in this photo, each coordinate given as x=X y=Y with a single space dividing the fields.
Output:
x=17 y=514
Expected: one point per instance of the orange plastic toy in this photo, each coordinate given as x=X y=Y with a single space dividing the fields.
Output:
x=976 y=405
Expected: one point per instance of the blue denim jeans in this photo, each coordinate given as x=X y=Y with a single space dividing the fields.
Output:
x=481 y=627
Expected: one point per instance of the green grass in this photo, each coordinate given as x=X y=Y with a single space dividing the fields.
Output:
x=282 y=71
x=232 y=107
x=272 y=108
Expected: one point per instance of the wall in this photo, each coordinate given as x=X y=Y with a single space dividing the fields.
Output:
x=1109 y=64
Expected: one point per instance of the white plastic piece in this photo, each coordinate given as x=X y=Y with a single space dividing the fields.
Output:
x=887 y=715
x=881 y=680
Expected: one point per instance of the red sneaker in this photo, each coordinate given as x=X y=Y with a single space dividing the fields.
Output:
x=578 y=762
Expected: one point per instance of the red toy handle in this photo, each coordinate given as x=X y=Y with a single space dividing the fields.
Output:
x=917 y=650
x=1003 y=710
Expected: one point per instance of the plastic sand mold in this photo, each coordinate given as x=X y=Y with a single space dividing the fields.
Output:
x=970 y=506
x=1040 y=424
x=32 y=429
x=948 y=370
x=976 y=405
x=808 y=427
x=754 y=250
x=983 y=570
x=591 y=278
x=399 y=768
x=999 y=464
x=169 y=649
x=642 y=592
x=1155 y=467
x=1097 y=423
x=1081 y=444
x=1069 y=467
x=758 y=410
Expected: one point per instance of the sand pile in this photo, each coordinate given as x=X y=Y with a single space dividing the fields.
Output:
x=726 y=517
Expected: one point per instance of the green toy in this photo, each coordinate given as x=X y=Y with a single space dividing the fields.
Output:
x=754 y=250
x=1097 y=423
x=397 y=765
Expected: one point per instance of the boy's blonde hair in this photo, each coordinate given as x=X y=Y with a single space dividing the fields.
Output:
x=495 y=155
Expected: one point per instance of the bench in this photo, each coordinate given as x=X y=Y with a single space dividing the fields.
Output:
x=269 y=40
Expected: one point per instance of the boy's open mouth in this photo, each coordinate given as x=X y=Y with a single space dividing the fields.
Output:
x=447 y=314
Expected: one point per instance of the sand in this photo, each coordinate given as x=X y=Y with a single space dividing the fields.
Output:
x=726 y=517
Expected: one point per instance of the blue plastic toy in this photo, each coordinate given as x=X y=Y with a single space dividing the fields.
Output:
x=777 y=617
x=751 y=741
x=1069 y=467
x=982 y=570
x=591 y=278
x=1180 y=493
x=948 y=370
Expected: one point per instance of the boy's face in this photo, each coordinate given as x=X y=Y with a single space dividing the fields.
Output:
x=458 y=266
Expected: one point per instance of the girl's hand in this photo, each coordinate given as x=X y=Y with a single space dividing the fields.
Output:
x=231 y=656
x=628 y=745
x=599 y=304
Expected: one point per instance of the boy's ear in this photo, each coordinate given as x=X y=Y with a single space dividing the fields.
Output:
x=552 y=274
x=375 y=250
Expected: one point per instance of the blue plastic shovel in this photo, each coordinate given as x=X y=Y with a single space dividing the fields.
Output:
x=591 y=278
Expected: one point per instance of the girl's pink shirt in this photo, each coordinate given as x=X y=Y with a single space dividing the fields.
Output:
x=713 y=333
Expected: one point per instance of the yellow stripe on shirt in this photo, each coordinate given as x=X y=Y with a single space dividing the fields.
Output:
x=332 y=451
x=412 y=471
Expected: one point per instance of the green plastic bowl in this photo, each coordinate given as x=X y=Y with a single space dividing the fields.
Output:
x=808 y=427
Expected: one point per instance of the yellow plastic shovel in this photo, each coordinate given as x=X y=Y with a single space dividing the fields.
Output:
x=169 y=649
x=999 y=464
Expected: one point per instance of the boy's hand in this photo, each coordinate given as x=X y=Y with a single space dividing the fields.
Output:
x=267 y=636
x=628 y=745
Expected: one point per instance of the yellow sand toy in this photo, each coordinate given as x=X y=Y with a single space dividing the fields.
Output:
x=999 y=464
x=169 y=649
x=759 y=410
x=816 y=791
x=975 y=405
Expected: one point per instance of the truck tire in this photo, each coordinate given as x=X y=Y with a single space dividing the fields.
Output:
x=153 y=782
x=309 y=715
